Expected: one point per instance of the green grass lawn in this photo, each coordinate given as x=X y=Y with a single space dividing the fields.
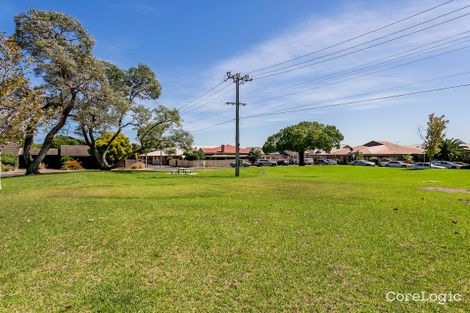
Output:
x=316 y=239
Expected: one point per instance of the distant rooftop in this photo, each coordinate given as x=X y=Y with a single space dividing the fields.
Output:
x=223 y=149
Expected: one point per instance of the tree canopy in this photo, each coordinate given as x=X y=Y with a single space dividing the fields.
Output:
x=452 y=149
x=435 y=134
x=60 y=140
x=115 y=104
x=61 y=51
x=254 y=155
x=101 y=97
x=119 y=147
x=302 y=137
x=20 y=103
x=193 y=155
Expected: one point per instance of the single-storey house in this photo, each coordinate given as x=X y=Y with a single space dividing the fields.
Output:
x=51 y=160
x=223 y=152
x=54 y=155
x=162 y=157
x=375 y=148
x=79 y=153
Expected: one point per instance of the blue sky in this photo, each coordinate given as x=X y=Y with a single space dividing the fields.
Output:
x=191 y=44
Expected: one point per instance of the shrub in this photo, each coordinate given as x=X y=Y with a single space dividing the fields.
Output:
x=138 y=166
x=195 y=155
x=7 y=168
x=408 y=159
x=9 y=159
x=72 y=165
x=66 y=158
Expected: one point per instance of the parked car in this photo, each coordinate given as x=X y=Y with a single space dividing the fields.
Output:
x=362 y=163
x=425 y=165
x=282 y=162
x=293 y=162
x=397 y=164
x=447 y=164
x=309 y=161
x=332 y=162
x=242 y=163
x=265 y=163
x=325 y=162
x=384 y=162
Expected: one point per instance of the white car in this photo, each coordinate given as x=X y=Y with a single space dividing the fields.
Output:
x=362 y=163
x=397 y=164
x=425 y=165
x=446 y=164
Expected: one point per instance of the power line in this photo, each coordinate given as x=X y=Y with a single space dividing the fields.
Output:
x=393 y=57
x=205 y=115
x=354 y=38
x=287 y=70
x=203 y=99
x=340 y=104
x=356 y=76
x=304 y=85
x=359 y=68
x=195 y=101
x=360 y=101
x=213 y=97
x=222 y=92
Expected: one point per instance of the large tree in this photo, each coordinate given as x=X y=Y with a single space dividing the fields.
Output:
x=254 y=154
x=116 y=104
x=20 y=104
x=435 y=134
x=302 y=137
x=61 y=51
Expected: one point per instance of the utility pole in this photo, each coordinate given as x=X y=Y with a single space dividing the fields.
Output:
x=238 y=79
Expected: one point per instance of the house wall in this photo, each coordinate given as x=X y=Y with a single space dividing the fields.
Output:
x=51 y=161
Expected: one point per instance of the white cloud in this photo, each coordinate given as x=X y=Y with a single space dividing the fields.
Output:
x=319 y=32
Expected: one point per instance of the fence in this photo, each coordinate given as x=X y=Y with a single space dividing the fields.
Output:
x=201 y=163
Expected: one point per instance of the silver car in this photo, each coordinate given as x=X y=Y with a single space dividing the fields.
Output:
x=425 y=165
x=446 y=164
x=265 y=163
x=397 y=164
x=362 y=163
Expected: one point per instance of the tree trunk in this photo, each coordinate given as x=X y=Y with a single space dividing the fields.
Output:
x=33 y=167
x=100 y=158
x=301 y=158
x=91 y=142
x=104 y=165
x=28 y=142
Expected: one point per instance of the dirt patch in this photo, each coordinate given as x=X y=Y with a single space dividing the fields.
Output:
x=448 y=190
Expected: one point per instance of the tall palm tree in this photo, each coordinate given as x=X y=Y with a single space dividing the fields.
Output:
x=451 y=149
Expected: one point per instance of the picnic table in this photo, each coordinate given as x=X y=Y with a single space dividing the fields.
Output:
x=186 y=171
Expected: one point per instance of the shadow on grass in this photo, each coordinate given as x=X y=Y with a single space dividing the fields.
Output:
x=121 y=293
